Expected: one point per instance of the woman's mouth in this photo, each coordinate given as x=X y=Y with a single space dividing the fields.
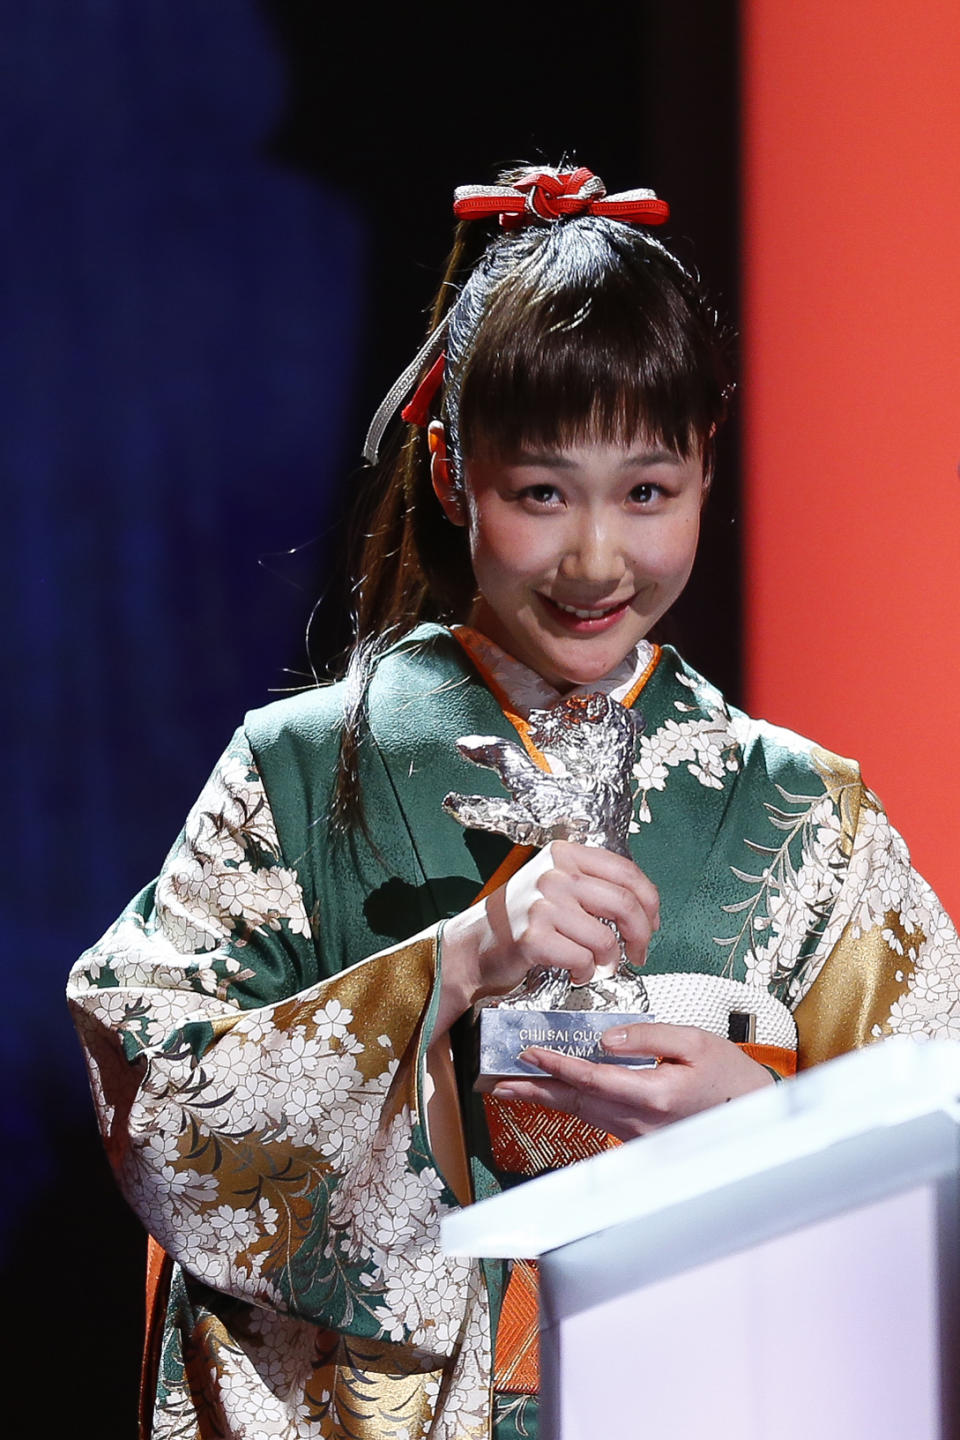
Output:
x=582 y=620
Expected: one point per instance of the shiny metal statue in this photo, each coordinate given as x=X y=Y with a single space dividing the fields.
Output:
x=590 y=743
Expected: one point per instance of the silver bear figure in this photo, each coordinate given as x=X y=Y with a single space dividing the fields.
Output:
x=590 y=743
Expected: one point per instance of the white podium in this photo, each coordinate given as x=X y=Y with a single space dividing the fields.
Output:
x=781 y=1268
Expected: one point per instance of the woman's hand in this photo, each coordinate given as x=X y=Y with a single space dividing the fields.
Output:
x=696 y=1071
x=550 y=913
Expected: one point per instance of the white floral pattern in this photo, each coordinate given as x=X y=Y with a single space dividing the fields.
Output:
x=707 y=746
x=265 y=1148
x=788 y=902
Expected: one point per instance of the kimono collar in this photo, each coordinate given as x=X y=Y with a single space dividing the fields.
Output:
x=520 y=689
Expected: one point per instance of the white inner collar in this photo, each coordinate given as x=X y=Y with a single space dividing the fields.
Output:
x=526 y=690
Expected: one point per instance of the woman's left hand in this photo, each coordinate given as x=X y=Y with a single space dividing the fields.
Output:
x=696 y=1071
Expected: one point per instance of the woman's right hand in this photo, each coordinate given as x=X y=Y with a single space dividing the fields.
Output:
x=550 y=913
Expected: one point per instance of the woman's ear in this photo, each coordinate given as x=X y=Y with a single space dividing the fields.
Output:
x=446 y=491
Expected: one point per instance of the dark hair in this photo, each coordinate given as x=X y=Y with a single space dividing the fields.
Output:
x=579 y=328
x=583 y=329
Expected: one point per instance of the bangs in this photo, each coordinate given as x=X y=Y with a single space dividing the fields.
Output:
x=596 y=334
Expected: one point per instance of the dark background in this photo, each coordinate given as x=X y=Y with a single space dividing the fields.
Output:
x=222 y=225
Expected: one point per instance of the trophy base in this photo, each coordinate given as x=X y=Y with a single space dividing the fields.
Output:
x=504 y=1032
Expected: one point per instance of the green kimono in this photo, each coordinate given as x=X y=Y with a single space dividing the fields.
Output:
x=256 y=1022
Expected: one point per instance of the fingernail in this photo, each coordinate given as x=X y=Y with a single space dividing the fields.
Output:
x=613 y=1038
x=504 y=1092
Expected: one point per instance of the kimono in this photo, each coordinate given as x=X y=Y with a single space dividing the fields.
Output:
x=256 y=1022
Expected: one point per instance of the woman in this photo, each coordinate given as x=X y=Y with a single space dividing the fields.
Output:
x=278 y=1028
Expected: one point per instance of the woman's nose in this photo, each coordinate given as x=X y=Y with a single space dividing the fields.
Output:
x=593 y=554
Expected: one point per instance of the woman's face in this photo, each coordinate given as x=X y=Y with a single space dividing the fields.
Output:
x=577 y=551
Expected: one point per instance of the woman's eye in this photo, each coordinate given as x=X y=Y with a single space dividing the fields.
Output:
x=540 y=494
x=644 y=494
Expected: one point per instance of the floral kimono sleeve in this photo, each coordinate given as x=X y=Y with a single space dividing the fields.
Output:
x=262 y=1117
x=888 y=961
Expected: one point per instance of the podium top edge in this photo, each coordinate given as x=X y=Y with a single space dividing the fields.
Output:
x=884 y=1085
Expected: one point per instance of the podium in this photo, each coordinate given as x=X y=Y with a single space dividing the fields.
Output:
x=784 y=1267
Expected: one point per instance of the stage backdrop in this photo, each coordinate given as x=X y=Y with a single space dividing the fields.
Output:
x=852 y=395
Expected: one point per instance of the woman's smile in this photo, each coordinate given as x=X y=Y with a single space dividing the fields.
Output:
x=582 y=620
x=578 y=551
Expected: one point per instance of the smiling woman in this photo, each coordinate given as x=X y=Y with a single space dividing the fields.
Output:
x=278 y=1029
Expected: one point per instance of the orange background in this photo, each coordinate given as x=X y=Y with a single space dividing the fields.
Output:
x=851 y=242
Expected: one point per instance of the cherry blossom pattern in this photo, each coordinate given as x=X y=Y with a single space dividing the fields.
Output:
x=275 y=1152
x=707 y=746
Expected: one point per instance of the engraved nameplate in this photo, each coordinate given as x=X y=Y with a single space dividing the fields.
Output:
x=504 y=1032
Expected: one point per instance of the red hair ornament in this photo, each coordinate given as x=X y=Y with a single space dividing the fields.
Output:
x=418 y=410
x=547 y=195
